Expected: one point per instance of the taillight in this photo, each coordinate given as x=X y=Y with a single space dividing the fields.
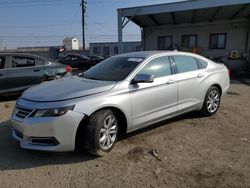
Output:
x=229 y=72
x=68 y=68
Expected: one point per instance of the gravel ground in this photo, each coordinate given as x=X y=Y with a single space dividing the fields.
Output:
x=193 y=152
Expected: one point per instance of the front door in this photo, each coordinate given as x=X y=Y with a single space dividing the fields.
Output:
x=153 y=101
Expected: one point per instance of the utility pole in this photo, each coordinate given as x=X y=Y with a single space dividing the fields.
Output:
x=1 y=45
x=83 y=4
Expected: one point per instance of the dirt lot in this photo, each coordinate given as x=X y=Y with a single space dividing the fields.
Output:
x=193 y=152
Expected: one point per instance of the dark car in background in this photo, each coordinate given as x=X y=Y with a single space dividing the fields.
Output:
x=96 y=59
x=21 y=71
x=76 y=61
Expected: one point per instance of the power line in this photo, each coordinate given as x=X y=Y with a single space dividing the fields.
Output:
x=74 y=21
x=59 y=36
x=29 y=2
x=24 y=4
x=32 y=3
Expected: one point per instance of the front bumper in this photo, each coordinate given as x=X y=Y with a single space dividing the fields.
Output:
x=47 y=133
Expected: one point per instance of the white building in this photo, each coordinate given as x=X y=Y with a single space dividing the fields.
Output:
x=212 y=28
x=71 y=43
x=107 y=49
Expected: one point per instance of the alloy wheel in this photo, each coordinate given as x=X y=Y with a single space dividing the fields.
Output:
x=213 y=101
x=108 y=133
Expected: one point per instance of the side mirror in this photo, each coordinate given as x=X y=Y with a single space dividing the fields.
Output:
x=80 y=74
x=143 y=78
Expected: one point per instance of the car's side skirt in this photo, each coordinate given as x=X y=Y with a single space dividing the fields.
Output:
x=166 y=117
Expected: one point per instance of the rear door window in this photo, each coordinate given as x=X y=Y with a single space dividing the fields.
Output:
x=185 y=63
x=202 y=64
x=2 y=62
x=159 y=67
x=40 y=62
x=75 y=58
x=22 y=62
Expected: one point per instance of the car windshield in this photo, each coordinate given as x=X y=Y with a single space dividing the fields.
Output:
x=113 y=69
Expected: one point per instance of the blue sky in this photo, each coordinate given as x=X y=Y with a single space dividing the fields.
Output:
x=47 y=22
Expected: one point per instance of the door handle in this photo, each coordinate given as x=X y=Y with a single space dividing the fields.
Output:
x=170 y=81
x=200 y=75
x=36 y=70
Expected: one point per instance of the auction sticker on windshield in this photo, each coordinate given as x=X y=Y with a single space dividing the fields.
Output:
x=135 y=59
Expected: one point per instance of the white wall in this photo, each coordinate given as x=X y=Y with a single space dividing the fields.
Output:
x=75 y=44
x=236 y=36
x=71 y=44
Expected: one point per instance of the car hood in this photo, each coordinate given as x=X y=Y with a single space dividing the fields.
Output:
x=66 y=89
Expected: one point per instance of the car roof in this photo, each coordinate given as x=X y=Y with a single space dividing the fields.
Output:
x=75 y=55
x=142 y=54
x=148 y=54
x=20 y=54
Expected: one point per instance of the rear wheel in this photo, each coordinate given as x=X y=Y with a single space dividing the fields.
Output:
x=44 y=78
x=211 y=102
x=101 y=132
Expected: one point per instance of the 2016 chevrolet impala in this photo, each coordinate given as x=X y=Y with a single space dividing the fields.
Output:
x=120 y=95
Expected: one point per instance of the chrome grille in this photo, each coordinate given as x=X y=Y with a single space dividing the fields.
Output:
x=22 y=112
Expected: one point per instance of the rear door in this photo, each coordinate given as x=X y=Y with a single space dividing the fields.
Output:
x=40 y=70
x=86 y=63
x=21 y=73
x=71 y=60
x=3 y=85
x=75 y=62
x=191 y=80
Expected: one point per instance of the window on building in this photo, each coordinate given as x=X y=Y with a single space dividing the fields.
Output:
x=106 y=51
x=189 y=41
x=185 y=63
x=138 y=48
x=22 y=62
x=159 y=67
x=218 y=41
x=2 y=60
x=97 y=50
x=165 y=43
x=116 y=49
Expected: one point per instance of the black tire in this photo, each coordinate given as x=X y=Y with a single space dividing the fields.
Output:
x=44 y=78
x=206 y=111
x=93 y=134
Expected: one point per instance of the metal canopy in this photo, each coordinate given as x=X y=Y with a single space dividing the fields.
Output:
x=193 y=11
x=187 y=12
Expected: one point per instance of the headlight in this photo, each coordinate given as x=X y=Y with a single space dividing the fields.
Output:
x=54 y=112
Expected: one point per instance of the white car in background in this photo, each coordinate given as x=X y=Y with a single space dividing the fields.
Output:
x=120 y=95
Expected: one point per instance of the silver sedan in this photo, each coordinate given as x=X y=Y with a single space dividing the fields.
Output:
x=122 y=94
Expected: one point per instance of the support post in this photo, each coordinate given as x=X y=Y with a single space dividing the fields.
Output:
x=119 y=21
x=142 y=39
x=248 y=46
x=83 y=23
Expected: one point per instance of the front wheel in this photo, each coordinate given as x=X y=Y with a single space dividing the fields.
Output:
x=101 y=132
x=211 y=102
